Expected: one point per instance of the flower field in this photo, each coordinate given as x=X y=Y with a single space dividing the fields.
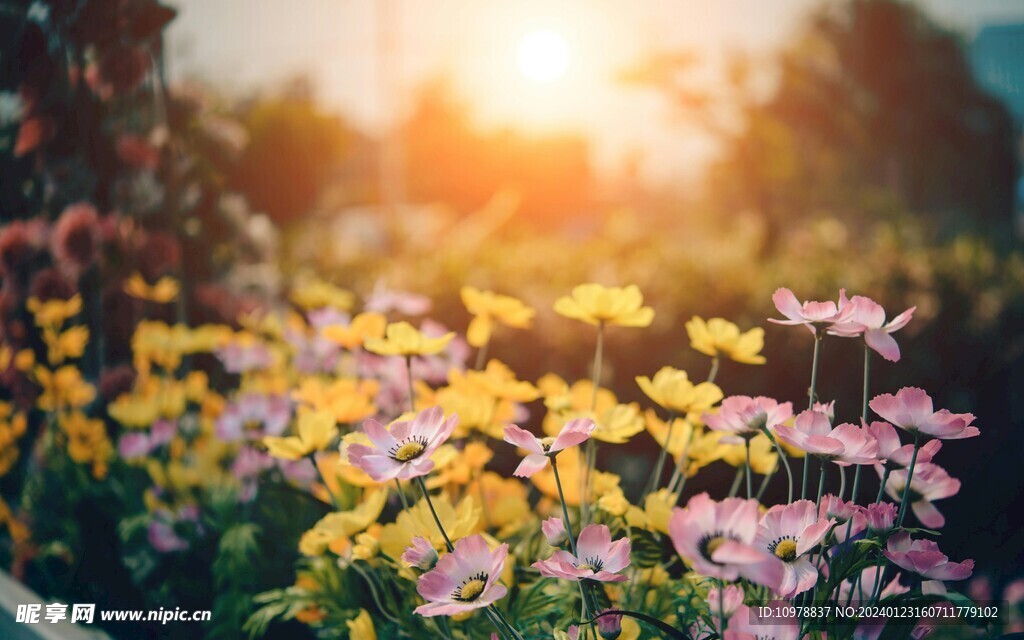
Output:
x=239 y=376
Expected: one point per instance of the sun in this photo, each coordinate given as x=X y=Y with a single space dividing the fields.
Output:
x=543 y=56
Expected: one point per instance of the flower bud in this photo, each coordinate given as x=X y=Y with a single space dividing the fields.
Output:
x=554 y=531
x=881 y=517
x=728 y=604
x=421 y=554
x=610 y=626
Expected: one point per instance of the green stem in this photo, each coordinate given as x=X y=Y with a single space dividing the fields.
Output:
x=481 y=355
x=327 y=487
x=565 y=510
x=591 y=455
x=910 y=477
x=867 y=374
x=821 y=482
x=714 y=369
x=737 y=479
x=750 y=486
x=659 y=467
x=881 y=488
x=810 y=402
x=842 y=482
x=401 y=495
x=721 y=608
x=785 y=463
x=412 y=392
x=426 y=496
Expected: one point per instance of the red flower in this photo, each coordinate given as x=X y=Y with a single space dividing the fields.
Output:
x=76 y=237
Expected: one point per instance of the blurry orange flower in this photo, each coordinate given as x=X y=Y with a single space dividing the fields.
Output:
x=162 y=291
x=403 y=339
x=487 y=308
x=362 y=327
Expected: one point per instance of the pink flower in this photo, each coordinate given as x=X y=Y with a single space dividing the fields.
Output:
x=746 y=624
x=813 y=315
x=868 y=319
x=931 y=482
x=598 y=558
x=845 y=445
x=610 y=626
x=745 y=417
x=924 y=558
x=790 y=532
x=843 y=512
x=880 y=516
x=893 y=453
x=717 y=539
x=554 y=531
x=76 y=237
x=463 y=580
x=867 y=583
x=573 y=433
x=727 y=604
x=252 y=416
x=421 y=554
x=384 y=300
x=239 y=358
x=403 y=449
x=911 y=409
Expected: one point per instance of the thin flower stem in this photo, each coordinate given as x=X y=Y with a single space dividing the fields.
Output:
x=565 y=510
x=493 y=617
x=327 y=487
x=426 y=496
x=401 y=494
x=591 y=455
x=885 y=481
x=737 y=479
x=842 y=482
x=810 y=401
x=714 y=369
x=659 y=467
x=750 y=487
x=412 y=392
x=821 y=482
x=721 y=607
x=512 y=632
x=481 y=355
x=785 y=463
x=910 y=477
x=867 y=375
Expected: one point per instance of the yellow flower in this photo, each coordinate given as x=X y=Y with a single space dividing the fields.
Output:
x=682 y=433
x=614 y=503
x=63 y=388
x=458 y=522
x=596 y=304
x=703 y=450
x=497 y=381
x=316 y=429
x=476 y=409
x=569 y=470
x=68 y=344
x=87 y=438
x=361 y=627
x=162 y=291
x=488 y=307
x=403 y=339
x=343 y=524
x=134 y=410
x=464 y=467
x=24 y=360
x=658 y=509
x=718 y=336
x=505 y=504
x=672 y=389
x=346 y=399
x=763 y=457
x=55 y=312
x=564 y=402
x=12 y=427
x=618 y=424
x=362 y=328
x=317 y=294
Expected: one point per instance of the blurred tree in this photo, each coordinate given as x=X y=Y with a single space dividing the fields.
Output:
x=875 y=109
x=294 y=150
x=449 y=159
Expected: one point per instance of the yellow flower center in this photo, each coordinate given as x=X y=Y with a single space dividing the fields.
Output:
x=546 y=443
x=408 y=451
x=471 y=590
x=714 y=543
x=252 y=425
x=786 y=550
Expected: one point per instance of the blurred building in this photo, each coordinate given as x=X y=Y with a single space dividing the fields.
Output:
x=997 y=55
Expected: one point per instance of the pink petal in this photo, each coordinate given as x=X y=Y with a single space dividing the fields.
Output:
x=883 y=343
x=379 y=435
x=594 y=541
x=523 y=439
x=901 y=320
x=788 y=305
x=530 y=465
x=573 y=433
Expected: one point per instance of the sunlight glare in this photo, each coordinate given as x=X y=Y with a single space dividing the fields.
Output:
x=543 y=56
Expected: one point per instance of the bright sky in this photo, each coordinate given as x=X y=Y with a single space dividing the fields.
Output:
x=240 y=45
